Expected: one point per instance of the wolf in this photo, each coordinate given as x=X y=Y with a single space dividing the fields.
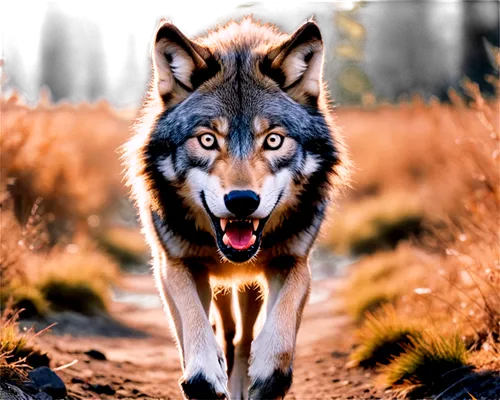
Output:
x=232 y=164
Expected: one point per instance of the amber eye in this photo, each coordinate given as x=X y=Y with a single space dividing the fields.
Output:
x=273 y=141
x=208 y=141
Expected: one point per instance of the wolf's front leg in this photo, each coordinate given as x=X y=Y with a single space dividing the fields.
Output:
x=188 y=294
x=273 y=350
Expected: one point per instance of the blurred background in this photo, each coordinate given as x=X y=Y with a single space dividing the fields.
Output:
x=88 y=51
x=406 y=271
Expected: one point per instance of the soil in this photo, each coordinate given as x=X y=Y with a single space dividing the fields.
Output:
x=141 y=359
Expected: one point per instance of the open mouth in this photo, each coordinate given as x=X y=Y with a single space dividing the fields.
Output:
x=237 y=239
x=239 y=234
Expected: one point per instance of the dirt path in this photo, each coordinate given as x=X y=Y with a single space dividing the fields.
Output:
x=148 y=367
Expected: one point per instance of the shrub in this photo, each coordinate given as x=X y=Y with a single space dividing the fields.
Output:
x=381 y=279
x=78 y=282
x=431 y=360
x=374 y=224
x=126 y=245
x=383 y=336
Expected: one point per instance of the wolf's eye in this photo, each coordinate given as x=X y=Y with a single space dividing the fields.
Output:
x=273 y=141
x=208 y=141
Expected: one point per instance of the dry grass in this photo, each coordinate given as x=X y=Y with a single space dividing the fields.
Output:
x=382 y=278
x=127 y=245
x=377 y=223
x=73 y=276
x=17 y=351
x=414 y=163
x=414 y=357
x=58 y=154
x=383 y=337
x=429 y=362
x=77 y=281
x=27 y=298
x=60 y=182
x=440 y=163
x=52 y=192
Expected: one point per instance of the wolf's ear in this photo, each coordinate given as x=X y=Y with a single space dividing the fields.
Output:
x=297 y=64
x=180 y=65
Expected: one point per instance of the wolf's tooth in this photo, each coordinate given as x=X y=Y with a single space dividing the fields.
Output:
x=223 y=223
x=252 y=240
x=255 y=224
x=225 y=239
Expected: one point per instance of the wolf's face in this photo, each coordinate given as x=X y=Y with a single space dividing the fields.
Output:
x=240 y=139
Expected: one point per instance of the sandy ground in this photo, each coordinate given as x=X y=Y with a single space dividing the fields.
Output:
x=147 y=364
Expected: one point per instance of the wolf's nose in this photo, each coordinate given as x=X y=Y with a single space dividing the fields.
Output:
x=242 y=202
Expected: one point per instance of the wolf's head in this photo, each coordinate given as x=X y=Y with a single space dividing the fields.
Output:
x=240 y=143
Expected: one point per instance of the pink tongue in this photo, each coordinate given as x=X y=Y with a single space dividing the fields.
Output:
x=239 y=235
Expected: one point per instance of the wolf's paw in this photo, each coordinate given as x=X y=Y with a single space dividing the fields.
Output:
x=198 y=387
x=206 y=376
x=270 y=367
x=273 y=387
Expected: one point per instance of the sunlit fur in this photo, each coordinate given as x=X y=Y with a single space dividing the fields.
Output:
x=237 y=84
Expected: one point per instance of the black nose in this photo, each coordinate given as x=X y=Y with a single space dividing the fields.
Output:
x=242 y=202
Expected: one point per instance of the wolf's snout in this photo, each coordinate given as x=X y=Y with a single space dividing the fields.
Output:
x=242 y=203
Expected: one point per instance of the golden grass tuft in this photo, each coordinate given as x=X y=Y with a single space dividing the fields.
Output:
x=413 y=357
x=78 y=282
x=27 y=298
x=430 y=360
x=17 y=348
x=374 y=224
x=74 y=295
x=383 y=336
x=127 y=245
x=380 y=279
x=370 y=300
